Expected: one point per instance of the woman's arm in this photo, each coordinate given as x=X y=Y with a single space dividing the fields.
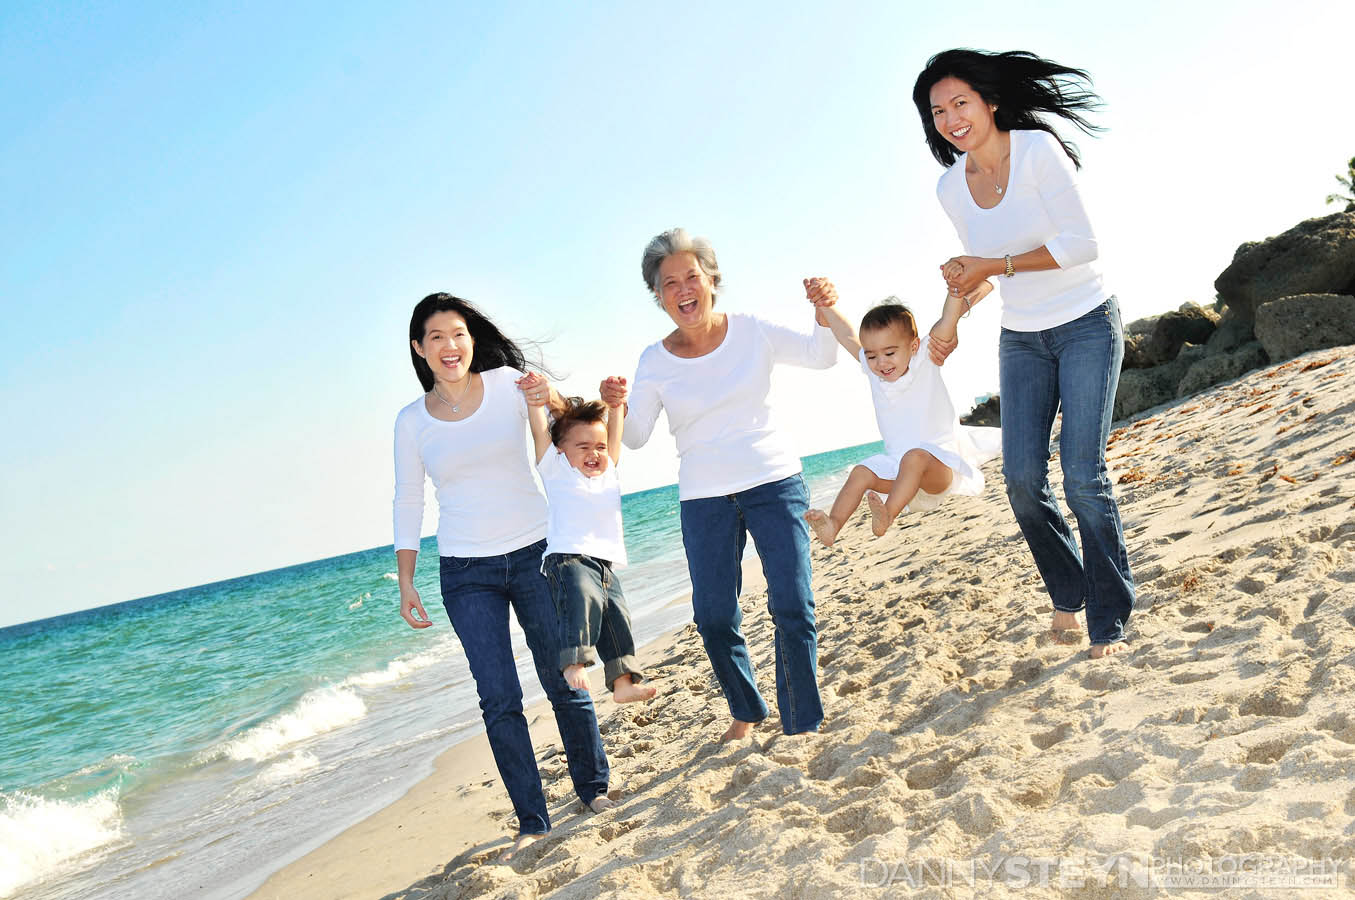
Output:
x=1074 y=241
x=816 y=350
x=411 y=607
x=408 y=519
x=642 y=408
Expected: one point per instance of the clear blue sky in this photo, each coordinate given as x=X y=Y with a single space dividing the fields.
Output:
x=218 y=216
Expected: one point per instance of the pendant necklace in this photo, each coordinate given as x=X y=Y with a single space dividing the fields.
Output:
x=456 y=407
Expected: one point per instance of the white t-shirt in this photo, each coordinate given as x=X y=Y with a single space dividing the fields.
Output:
x=717 y=407
x=481 y=466
x=916 y=409
x=1041 y=208
x=585 y=513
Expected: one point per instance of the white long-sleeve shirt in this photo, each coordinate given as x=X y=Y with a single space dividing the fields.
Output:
x=717 y=406
x=1041 y=208
x=488 y=501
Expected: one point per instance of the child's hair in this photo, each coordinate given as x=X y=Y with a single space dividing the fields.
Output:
x=576 y=412
x=888 y=314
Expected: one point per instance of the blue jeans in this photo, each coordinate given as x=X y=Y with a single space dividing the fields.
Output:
x=593 y=614
x=477 y=592
x=714 y=533
x=1077 y=366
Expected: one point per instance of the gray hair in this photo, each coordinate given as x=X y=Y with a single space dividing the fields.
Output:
x=677 y=240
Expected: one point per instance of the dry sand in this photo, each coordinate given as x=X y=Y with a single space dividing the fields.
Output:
x=960 y=738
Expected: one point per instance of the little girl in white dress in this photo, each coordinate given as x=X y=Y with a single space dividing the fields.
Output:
x=928 y=453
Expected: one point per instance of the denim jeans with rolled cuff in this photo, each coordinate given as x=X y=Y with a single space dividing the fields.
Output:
x=1076 y=367
x=477 y=593
x=594 y=620
x=714 y=533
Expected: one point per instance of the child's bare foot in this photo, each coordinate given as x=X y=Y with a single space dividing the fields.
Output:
x=523 y=841
x=575 y=677
x=601 y=803
x=625 y=690
x=880 y=519
x=1099 y=650
x=825 y=529
x=737 y=731
x=1064 y=628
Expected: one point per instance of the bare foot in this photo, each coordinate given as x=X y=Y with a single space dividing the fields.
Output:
x=624 y=690
x=575 y=677
x=880 y=519
x=601 y=803
x=1099 y=650
x=1064 y=628
x=825 y=529
x=737 y=731
x=523 y=841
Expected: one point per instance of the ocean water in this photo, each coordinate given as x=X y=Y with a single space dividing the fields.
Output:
x=196 y=741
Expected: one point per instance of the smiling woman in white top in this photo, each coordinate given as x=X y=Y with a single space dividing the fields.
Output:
x=737 y=474
x=1010 y=189
x=468 y=433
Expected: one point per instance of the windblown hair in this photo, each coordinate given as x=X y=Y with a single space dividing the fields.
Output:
x=677 y=240
x=576 y=411
x=891 y=312
x=1020 y=84
x=492 y=348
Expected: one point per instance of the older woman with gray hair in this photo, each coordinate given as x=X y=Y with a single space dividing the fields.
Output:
x=737 y=475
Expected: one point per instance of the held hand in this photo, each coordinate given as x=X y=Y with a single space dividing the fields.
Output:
x=938 y=349
x=535 y=387
x=963 y=274
x=614 y=391
x=411 y=608
x=820 y=291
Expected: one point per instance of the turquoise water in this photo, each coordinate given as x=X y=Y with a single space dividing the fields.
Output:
x=209 y=735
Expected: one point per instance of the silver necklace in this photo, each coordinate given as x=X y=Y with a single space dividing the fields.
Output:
x=456 y=407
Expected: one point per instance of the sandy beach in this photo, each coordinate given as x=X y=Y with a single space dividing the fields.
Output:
x=965 y=751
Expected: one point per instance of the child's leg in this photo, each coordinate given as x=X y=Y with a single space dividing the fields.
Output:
x=917 y=469
x=577 y=593
x=616 y=644
x=827 y=526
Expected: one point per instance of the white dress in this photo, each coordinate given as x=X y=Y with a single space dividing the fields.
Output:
x=916 y=412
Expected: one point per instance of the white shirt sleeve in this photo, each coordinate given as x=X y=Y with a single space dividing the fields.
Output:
x=956 y=217
x=642 y=409
x=1055 y=179
x=409 y=478
x=816 y=350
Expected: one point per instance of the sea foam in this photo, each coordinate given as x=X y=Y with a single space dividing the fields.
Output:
x=315 y=713
x=394 y=670
x=38 y=836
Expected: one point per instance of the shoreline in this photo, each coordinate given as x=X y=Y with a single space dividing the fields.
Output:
x=385 y=846
x=957 y=729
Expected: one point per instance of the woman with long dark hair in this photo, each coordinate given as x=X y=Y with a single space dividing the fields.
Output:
x=1010 y=190
x=468 y=433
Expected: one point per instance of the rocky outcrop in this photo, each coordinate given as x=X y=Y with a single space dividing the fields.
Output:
x=1191 y=324
x=989 y=412
x=1316 y=256
x=1143 y=388
x=1232 y=332
x=1290 y=326
x=1221 y=367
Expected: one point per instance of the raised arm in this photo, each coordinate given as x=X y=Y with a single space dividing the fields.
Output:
x=640 y=404
x=823 y=295
x=944 y=334
x=539 y=394
x=616 y=422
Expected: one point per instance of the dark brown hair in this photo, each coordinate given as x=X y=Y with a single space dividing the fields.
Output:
x=888 y=314
x=576 y=412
